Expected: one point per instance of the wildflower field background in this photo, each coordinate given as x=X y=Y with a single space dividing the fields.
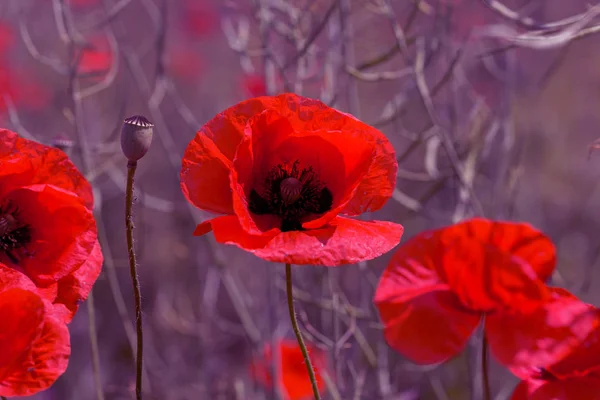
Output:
x=517 y=114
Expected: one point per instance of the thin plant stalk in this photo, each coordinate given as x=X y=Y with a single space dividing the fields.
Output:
x=131 y=167
x=290 y=300
x=487 y=393
x=94 y=345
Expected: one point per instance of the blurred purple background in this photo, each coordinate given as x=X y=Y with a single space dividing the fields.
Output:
x=518 y=118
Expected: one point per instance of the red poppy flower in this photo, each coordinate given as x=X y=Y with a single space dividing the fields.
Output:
x=22 y=88
x=47 y=229
x=440 y=284
x=295 y=382
x=96 y=58
x=200 y=18
x=6 y=38
x=575 y=375
x=34 y=344
x=284 y=169
x=255 y=85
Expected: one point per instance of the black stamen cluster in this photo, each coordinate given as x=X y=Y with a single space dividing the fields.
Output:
x=314 y=198
x=16 y=235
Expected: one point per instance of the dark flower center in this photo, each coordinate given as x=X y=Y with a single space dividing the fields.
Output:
x=291 y=194
x=544 y=374
x=14 y=234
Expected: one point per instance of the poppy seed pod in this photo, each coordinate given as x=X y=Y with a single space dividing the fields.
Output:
x=136 y=137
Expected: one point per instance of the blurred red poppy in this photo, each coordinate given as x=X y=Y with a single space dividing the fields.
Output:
x=34 y=344
x=47 y=229
x=6 y=38
x=576 y=374
x=96 y=58
x=295 y=383
x=283 y=169
x=440 y=284
x=23 y=89
x=255 y=85
x=200 y=18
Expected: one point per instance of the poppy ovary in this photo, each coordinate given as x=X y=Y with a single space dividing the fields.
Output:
x=291 y=189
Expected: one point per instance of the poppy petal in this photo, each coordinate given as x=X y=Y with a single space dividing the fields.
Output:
x=576 y=388
x=487 y=279
x=208 y=157
x=74 y=288
x=254 y=158
x=22 y=315
x=63 y=232
x=526 y=342
x=44 y=362
x=515 y=238
x=342 y=241
x=294 y=378
x=423 y=319
x=205 y=176
x=524 y=389
x=25 y=162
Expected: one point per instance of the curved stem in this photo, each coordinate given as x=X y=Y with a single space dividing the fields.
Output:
x=290 y=300
x=487 y=394
x=131 y=166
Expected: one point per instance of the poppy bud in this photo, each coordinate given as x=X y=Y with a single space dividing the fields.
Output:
x=136 y=137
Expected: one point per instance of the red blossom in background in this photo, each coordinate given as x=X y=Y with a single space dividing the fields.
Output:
x=294 y=379
x=6 y=38
x=184 y=63
x=34 y=343
x=47 y=230
x=96 y=58
x=254 y=85
x=441 y=283
x=576 y=375
x=284 y=170
x=199 y=18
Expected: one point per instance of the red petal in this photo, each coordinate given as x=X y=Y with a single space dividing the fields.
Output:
x=63 y=232
x=580 y=388
x=517 y=239
x=524 y=389
x=525 y=342
x=293 y=371
x=22 y=315
x=255 y=157
x=486 y=279
x=46 y=360
x=342 y=241
x=74 y=288
x=25 y=162
x=423 y=319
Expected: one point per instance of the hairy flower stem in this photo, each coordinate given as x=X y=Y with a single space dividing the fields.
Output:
x=487 y=394
x=131 y=166
x=290 y=300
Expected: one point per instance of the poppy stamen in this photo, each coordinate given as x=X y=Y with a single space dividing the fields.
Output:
x=14 y=235
x=291 y=193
